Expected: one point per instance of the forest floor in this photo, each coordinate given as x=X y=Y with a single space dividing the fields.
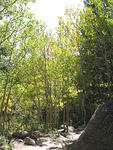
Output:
x=49 y=143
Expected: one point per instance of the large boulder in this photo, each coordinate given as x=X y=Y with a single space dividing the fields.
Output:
x=98 y=135
x=20 y=134
x=24 y=134
x=34 y=134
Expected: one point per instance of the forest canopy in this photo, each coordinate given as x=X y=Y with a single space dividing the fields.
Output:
x=48 y=79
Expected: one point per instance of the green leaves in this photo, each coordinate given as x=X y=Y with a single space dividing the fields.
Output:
x=1 y=17
x=4 y=144
x=43 y=71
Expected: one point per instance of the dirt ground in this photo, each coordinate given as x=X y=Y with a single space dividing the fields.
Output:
x=48 y=143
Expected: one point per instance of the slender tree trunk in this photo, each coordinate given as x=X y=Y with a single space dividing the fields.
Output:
x=67 y=107
x=7 y=102
x=64 y=114
x=57 y=117
x=108 y=75
x=38 y=98
x=46 y=89
x=55 y=106
x=83 y=95
x=4 y=95
x=51 y=106
x=83 y=108
x=67 y=112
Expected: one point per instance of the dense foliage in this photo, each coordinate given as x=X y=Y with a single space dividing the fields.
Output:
x=49 y=79
x=4 y=145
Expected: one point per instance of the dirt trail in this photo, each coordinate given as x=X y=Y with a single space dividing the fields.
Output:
x=48 y=143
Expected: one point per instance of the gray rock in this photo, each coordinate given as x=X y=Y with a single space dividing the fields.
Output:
x=63 y=126
x=20 y=134
x=34 y=134
x=71 y=129
x=29 y=141
x=98 y=135
x=39 y=142
x=20 y=140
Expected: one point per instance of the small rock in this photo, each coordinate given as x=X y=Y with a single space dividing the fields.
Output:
x=71 y=129
x=61 y=131
x=20 y=140
x=29 y=141
x=63 y=126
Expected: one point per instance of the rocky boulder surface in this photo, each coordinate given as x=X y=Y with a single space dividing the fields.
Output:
x=30 y=138
x=20 y=134
x=34 y=134
x=98 y=135
x=29 y=141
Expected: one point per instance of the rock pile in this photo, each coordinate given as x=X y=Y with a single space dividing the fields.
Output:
x=29 y=138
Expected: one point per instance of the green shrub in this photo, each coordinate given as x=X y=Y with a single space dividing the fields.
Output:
x=4 y=144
